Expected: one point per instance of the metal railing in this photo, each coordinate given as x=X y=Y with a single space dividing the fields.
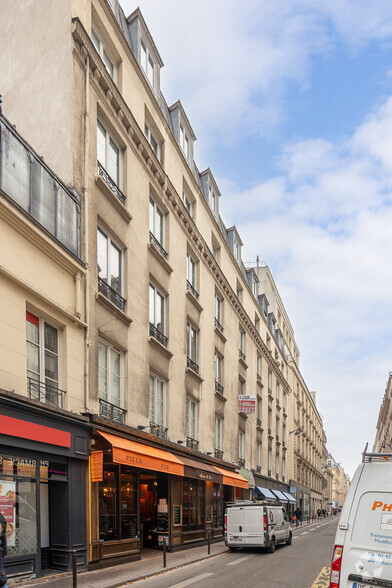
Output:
x=112 y=411
x=258 y=378
x=241 y=463
x=218 y=453
x=218 y=387
x=269 y=432
x=111 y=294
x=158 y=430
x=277 y=439
x=192 y=443
x=241 y=355
x=156 y=333
x=277 y=403
x=258 y=469
x=191 y=289
x=158 y=245
x=269 y=472
x=45 y=392
x=258 y=422
x=269 y=392
x=218 y=325
x=192 y=365
x=111 y=183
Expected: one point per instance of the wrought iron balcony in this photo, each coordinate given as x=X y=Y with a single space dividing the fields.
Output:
x=258 y=469
x=277 y=439
x=277 y=403
x=241 y=355
x=258 y=378
x=45 y=392
x=191 y=289
x=158 y=430
x=241 y=463
x=218 y=453
x=156 y=333
x=258 y=422
x=158 y=245
x=192 y=443
x=111 y=294
x=112 y=411
x=269 y=472
x=192 y=365
x=218 y=387
x=111 y=183
x=270 y=392
x=218 y=325
x=283 y=443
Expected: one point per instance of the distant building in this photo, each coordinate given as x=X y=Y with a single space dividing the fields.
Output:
x=383 y=440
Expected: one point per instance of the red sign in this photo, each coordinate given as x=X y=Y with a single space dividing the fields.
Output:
x=97 y=466
x=246 y=404
x=34 y=432
x=7 y=508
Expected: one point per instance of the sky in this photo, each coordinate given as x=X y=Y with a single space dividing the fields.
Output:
x=291 y=104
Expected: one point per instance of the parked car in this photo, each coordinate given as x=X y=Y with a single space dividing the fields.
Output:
x=362 y=555
x=256 y=524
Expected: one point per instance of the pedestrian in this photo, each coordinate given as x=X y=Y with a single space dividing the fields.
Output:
x=318 y=513
x=298 y=515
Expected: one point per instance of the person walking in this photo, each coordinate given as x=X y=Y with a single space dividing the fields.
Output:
x=298 y=515
x=318 y=513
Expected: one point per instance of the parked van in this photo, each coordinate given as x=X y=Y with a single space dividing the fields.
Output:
x=256 y=524
x=362 y=554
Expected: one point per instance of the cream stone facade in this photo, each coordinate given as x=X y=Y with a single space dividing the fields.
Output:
x=383 y=440
x=163 y=327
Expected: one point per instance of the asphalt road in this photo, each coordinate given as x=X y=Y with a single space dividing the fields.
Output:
x=295 y=566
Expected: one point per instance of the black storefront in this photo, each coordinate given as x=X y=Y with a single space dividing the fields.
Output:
x=43 y=468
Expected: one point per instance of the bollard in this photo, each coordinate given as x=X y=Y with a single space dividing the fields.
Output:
x=164 y=551
x=209 y=541
x=74 y=577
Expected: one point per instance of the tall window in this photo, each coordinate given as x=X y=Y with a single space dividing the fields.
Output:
x=103 y=53
x=218 y=368
x=152 y=140
x=212 y=199
x=269 y=381
x=157 y=222
x=157 y=309
x=109 y=261
x=277 y=464
x=258 y=408
x=277 y=391
x=241 y=342
x=241 y=387
x=184 y=141
x=284 y=400
x=241 y=445
x=258 y=454
x=258 y=366
x=42 y=342
x=218 y=433
x=191 y=418
x=187 y=202
x=109 y=374
x=269 y=460
x=191 y=342
x=108 y=154
x=218 y=312
x=157 y=401
x=193 y=504
x=191 y=270
x=147 y=63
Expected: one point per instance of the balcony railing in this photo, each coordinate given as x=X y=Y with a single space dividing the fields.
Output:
x=158 y=245
x=277 y=403
x=192 y=365
x=192 y=443
x=258 y=378
x=269 y=433
x=45 y=392
x=258 y=422
x=241 y=355
x=269 y=472
x=191 y=289
x=218 y=325
x=156 y=333
x=270 y=392
x=258 y=469
x=218 y=453
x=277 y=439
x=111 y=183
x=241 y=463
x=218 y=387
x=112 y=411
x=111 y=294
x=158 y=430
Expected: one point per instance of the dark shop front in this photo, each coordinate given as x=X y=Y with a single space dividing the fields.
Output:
x=43 y=465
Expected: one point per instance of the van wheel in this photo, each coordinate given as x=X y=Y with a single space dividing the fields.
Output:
x=271 y=548
x=290 y=539
x=232 y=548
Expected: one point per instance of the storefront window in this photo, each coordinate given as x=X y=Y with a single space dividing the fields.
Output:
x=117 y=503
x=217 y=504
x=193 y=504
x=128 y=506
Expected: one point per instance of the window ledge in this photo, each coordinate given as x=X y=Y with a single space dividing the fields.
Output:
x=160 y=347
x=194 y=301
x=194 y=374
x=220 y=335
x=220 y=396
x=260 y=384
x=113 y=198
x=243 y=415
x=119 y=313
x=243 y=363
x=160 y=258
x=259 y=428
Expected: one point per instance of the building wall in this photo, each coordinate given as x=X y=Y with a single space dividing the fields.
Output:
x=382 y=442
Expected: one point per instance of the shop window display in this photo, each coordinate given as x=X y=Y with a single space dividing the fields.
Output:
x=117 y=504
x=217 y=506
x=193 y=502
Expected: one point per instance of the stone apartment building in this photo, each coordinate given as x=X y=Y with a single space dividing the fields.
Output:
x=125 y=295
x=383 y=440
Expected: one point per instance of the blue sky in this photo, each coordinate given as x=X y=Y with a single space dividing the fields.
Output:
x=291 y=101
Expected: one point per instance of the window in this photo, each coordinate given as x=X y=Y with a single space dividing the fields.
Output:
x=42 y=340
x=268 y=340
x=218 y=368
x=241 y=445
x=237 y=250
x=117 y=503
x=191 y=343
x=269 y=382
x=258 y=455
x=215 y=249
x=155 y=146
x=277 y=465
x=254 y=287
x=103 y=53
x=108 y=154
x=239 y=292
x=187 y=203
x=277 y=392
x=109 y=374
x=191 y=418
x=258 y=366
x=157 y=309
x=109 y=264
x=193 y=504
x=212 y=199
x=241 y=387
x=218 y=312
x=157 y=223
x=218 y=433
x=191 y=270
x=157 y=401
x=269 y=460
x=258 y=409
x=184 y=141
x=241 y=343
x=147 y=63
x=284 y=400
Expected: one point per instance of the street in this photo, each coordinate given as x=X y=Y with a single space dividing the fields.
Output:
x=295 y=566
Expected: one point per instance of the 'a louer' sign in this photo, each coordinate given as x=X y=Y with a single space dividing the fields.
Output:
x=246 y=404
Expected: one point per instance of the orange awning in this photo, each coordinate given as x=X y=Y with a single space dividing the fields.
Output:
x=143 y=456
x=233 y=479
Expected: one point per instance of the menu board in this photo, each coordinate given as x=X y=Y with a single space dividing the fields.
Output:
x=209 y=514
x=163 y=522
x=177 y=515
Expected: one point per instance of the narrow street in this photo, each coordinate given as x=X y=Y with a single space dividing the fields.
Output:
x=295 y=566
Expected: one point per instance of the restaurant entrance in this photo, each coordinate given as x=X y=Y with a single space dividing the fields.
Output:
x=154 y=514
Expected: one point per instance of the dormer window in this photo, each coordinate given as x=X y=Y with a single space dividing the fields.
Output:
x=147 y=63
x=237 y=250
x=152 y=140
x=184 y=141
x=211 y=199
x=103 y=53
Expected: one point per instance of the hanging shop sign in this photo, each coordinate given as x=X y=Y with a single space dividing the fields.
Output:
x=96 y=466
x=246 y=403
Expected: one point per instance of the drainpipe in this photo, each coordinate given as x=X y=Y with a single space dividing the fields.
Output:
x=86 y=239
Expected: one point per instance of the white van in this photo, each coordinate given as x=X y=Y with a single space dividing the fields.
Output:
x=362 y=554
x=256 y=524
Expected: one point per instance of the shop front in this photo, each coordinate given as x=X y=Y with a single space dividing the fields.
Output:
x=144 y=495
x=43 y=465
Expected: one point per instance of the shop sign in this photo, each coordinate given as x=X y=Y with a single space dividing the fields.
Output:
x=7 y=509
x=293 y=489
x=96 y=466
x=246 y=403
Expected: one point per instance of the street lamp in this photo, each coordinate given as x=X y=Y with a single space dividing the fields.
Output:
x=296 y=432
